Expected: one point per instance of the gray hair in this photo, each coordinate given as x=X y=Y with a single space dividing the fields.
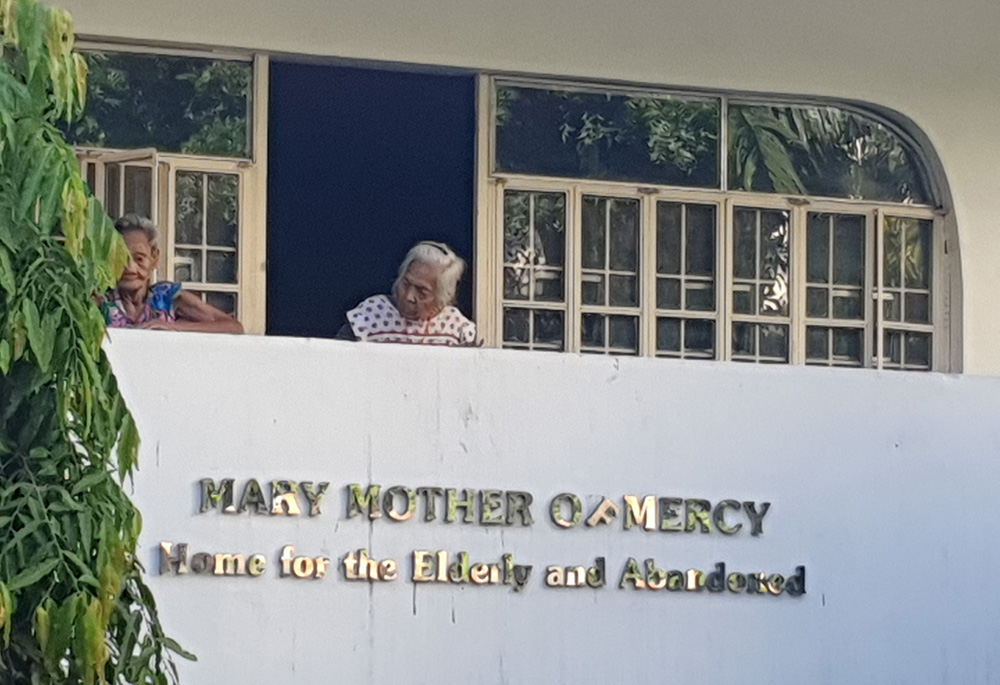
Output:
x=134 y=222
x=449 y=265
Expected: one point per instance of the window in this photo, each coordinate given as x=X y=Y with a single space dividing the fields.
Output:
x=634 y=223
x=171 y=137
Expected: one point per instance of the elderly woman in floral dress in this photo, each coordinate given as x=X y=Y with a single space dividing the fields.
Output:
x=138 y=303
x=421 y=309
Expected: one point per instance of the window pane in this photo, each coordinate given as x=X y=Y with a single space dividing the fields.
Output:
x=534 y=245
x=668 y=335
x=745 y=244
x=221 y=267
x=817 y=343
x=112 y=190
x=817 y=302
x=138 y=191
x=175 y=104
x=548 y=285
x=223 y=212
x=823 y=151
x=224 y=301
x=668 y=238
x=624 y=230
x=516 y=282
x=918 y=350
x=624 y=291
x=892 y=264
x=187 y=265
x=818 y=248
x=744 y=339
x=700 y=240
x=548 y=328
x=190 y=189
x=744 y=298
x=668 y=293
x=917 y=308
x=774 y=257
x=623 y=333
x=699 y=337
x=848 y=304
x=848 y=345
x=592 y=331
x=594 y=232
x=917 y=254
x=773 y=342
x=592 y=289
x=699 y=296
x=653 y=139
x=849 y=250
x=515 y=325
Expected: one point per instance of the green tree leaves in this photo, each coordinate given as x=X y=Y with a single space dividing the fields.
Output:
x=73 y=604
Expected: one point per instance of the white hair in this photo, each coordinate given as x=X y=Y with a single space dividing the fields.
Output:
x=134 y=222
x=449 y=265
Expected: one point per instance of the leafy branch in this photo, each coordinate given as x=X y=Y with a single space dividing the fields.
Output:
x=73 y=604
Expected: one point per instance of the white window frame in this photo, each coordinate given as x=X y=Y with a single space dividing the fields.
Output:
x=492 y=184
x=252 y=239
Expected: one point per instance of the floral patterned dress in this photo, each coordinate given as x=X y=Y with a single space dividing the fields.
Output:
x=377 y=320
x=159 y=306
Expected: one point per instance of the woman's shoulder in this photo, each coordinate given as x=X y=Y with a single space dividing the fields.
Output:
x=454 y=320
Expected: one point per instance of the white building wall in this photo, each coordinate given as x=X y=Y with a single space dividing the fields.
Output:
x=883 y=485
x=936 y=62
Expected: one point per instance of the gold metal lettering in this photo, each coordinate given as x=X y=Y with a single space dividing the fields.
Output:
x=221 y=497
x=668 y=512
x=556 y=510
x=257 y=565
x=315 y=496
x=285 y=498
x=656 y=578
x=694 y=580
x=201 y=562
x=171 y=560
x=736 y=582
x=775 y=584
x=490 y=503
x=479 y=573
x=230 y=565
x=358 y=500
x=697 y=512
x=644 y=515
x=719 y=516
x=430 y=494
x=389 y=503
x=519 y=505
x=423 y=566
x=555 y=576
x=468 y=505
x=387 y=569
x=253 y=498
x=633 y=575
x=303 y=567
x=287 y=554
x=606 y=512
x=756 y=519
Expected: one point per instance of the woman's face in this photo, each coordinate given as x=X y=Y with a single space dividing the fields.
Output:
x=140 y=267
x=416 y=299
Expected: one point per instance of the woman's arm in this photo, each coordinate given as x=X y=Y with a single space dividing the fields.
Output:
x=195 y=315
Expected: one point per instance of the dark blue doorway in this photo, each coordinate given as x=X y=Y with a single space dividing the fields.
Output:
x=363 y=163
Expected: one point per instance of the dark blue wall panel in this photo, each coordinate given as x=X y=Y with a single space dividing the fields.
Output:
x=363 y=163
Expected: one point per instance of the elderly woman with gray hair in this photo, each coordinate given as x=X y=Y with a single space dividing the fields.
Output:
x=421 y=309
x=138 y=303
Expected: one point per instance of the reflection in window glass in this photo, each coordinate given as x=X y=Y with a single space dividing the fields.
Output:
x=823 y=151
x=664 y=140
x=174 y=104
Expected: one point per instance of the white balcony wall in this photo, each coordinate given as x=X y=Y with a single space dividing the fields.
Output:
x=883 y=485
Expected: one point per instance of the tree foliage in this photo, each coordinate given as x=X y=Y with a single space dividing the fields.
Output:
x=73 y=605
x=175 y=104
